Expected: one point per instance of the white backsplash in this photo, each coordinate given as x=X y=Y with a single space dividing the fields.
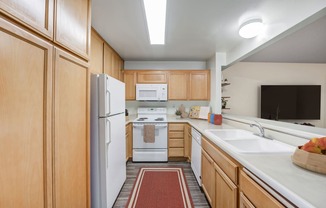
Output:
x=170 y=105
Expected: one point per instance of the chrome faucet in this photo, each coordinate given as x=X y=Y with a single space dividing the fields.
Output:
x=261 y=129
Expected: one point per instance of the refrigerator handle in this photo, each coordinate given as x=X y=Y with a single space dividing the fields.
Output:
x=108 y=102
x=107 y=139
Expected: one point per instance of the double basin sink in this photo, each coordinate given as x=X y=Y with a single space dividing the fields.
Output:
x=245 y=142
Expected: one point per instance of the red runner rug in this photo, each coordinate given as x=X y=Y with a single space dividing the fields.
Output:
x=160 y=187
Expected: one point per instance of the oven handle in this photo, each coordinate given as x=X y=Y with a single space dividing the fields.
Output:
x=156 y=127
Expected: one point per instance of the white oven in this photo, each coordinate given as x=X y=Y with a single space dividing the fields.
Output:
x=156 y=151
x=151 y=92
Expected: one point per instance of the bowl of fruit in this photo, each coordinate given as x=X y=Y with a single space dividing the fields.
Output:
x=312 y=155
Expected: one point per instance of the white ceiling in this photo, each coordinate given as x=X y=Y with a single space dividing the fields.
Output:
x=196 y=29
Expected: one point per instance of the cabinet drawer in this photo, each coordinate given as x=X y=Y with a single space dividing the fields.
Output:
x=176 y=127
x=176 y=143
x=175 y=135
x=256 y=194
x=176 y=152
x=228 y=166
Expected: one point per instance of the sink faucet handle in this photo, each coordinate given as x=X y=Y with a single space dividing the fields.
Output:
x=260 y=127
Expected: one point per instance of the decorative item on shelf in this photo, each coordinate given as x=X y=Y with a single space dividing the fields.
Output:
x=225 y=82
x=224 y=102
x=215 y=119
x=178 y=113
x=312 y=155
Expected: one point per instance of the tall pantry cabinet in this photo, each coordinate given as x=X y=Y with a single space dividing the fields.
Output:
x=44 y=104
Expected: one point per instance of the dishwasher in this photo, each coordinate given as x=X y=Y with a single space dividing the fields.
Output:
x=196 y=154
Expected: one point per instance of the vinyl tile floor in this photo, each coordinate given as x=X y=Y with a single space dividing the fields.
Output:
x=197 y=194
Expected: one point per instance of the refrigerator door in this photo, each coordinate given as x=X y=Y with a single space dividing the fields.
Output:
x=112 y=137
x=111 y=96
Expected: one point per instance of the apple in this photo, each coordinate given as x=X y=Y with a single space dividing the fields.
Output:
x=315 y=145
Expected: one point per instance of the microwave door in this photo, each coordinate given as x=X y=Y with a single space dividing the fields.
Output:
x=111 y=96
x=147 y=94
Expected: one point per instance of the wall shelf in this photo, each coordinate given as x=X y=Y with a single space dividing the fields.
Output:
x=225 y=83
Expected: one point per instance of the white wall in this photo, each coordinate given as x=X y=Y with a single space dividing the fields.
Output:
x=246 y=79
x=170 y=105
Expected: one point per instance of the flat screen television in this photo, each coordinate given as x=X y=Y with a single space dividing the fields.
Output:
x=290 y=102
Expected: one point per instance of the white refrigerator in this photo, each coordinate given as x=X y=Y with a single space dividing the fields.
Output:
x=108 y=152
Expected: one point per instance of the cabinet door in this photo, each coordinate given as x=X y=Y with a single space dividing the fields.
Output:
x=128 y=141
x=96 y=53
x=121 y=67
x=187 y=138
x=35 y=14
x=244 y=202
x=130 y=82
x=258 y=196
x=25 y=121
x=108 y=60
x=151 y=77
x=71 y=132
x=73 y=25
x=116 y=62
x=208 y=177
x=199 y=85
x=225 y=190
x=178 y=85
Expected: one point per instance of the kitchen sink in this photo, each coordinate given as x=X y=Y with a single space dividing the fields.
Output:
x=245 y=142
x=262 y=145
x=231 y=134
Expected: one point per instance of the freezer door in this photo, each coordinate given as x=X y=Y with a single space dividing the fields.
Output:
x=112 y=130
x=111 y=96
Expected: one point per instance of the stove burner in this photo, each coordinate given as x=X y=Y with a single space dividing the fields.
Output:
x=159 y=119
x=142 y=119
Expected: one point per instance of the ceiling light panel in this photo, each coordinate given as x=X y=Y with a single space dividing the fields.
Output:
x=155 y=11
x=251 y=28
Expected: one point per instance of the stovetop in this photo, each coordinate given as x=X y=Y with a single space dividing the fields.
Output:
x=151 y=115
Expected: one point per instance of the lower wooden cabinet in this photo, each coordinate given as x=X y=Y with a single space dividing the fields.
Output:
x=208 y=177
x=176 y=140
x=244 y=202
x=225 y=190
x=188 y=141
x=255 y=194
x=128 y=141
x=71 y=177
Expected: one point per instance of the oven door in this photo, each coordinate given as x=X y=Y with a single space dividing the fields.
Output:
x=161 y=136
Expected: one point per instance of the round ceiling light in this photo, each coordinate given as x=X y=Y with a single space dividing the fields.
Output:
x=251 y=28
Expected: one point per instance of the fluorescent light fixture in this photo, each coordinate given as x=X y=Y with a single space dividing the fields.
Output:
x=155 y=15
x=251 y=28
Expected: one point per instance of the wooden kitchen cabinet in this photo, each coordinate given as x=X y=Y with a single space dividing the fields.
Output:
x=178 y=85
x=112 y=62
x=208 y=177
x=130 y=83
x=225 y=190
x=34 y=14
x=176 y=139
x=73 y=25
x=244 y=202
x=25 y=106
x=152 y=77
x=71 y=175
x=128 y=141
x=97 y=44
x=255 y=194
x=188 y=141
x=199 y=82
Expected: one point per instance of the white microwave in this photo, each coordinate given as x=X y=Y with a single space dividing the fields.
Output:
x=152 y=92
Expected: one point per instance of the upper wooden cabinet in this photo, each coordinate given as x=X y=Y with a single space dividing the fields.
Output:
x=199 y=85
x=96 y=61
x=25 y=106
x=112 y=63
x=130 y=82
x=71 y=132
x=178 y=85
x=72 y=25
x=34 y=14
x=151 y=77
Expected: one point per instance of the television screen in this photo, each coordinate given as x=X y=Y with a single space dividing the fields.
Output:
x=290 y=102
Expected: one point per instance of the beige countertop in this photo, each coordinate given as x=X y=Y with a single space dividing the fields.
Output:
x=302 y=187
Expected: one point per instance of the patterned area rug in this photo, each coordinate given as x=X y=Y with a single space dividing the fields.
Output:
x=160 y=187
